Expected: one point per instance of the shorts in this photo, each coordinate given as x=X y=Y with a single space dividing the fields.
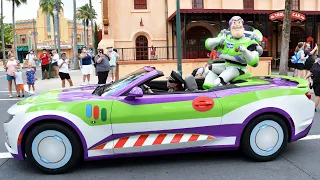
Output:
x=299 y=66
x=21 y=87
x=55 y=64
x=113 y=70
x=10 y=78
x=64 y=76
x=45 y=67
x=86 y=69
x=316 y=89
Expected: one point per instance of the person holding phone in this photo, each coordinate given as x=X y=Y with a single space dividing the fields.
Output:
x=102 y=66
x=44 y=57
x=64 y=66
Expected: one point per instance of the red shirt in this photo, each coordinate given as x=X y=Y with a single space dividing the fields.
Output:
x=45 y=59
x=213 y=55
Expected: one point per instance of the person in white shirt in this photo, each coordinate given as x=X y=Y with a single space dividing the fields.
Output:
x=64 y=66
x=31 y=59
x=55 y=59
x=19 y=82
x=113 y=56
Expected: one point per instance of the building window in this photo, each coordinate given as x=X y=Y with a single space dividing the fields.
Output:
x=48 y=23
x=49 y=37
x=142 y=48
x=248 y=4
x=197 y=4
x=140 y=4
x=296 y=5
x=23 y=39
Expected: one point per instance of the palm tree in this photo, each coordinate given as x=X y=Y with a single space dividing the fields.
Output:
x=15 y=3
x=286 y=28
x=47 y=8
x=84 y=14
x=75 y=38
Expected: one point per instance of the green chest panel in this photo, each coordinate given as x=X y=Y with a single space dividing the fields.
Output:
x=231 y=46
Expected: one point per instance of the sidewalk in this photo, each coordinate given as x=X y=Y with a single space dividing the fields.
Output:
x=42 y=86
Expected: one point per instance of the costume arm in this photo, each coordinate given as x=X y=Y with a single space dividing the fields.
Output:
x=252 y=57
x=212 y=43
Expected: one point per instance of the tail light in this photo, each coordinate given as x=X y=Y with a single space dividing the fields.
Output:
x=308 y=95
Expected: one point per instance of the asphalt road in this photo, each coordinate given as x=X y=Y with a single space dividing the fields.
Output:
x=300 y=161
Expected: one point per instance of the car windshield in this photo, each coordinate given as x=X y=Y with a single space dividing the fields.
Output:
x=109 y=90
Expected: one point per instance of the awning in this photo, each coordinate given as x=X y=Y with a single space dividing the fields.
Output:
x=233 y=11
x=80 y=46
x=22 y=48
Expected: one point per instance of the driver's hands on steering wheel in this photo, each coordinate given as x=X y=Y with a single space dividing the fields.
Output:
x=148 y=89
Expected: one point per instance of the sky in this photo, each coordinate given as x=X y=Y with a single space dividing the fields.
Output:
x=29 y=11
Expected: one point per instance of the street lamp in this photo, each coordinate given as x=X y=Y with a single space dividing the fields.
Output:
x=178 y=24
x=55 y=12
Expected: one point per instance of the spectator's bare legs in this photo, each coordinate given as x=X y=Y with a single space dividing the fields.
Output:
x=10 y=87
x=88 y=77
x=317 y=101
x=70 y=82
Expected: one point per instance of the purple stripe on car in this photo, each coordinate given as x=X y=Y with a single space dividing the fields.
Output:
x=302 y=134
x=155 y=99
x=216 y=131
x=82 y=88
x=56 y=118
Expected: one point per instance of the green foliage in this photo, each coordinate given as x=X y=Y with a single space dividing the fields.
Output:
x=8 y=34
x=83 y=13
x=96 y=43
x=48 y=6
x=18 y=2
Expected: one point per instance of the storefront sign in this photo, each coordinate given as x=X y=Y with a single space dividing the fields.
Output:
x=293 y=15
x=52 y=47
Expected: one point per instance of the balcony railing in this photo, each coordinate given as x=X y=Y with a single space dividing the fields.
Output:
x=191 y=52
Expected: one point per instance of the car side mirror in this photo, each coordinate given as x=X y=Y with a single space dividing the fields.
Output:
x=134 y=93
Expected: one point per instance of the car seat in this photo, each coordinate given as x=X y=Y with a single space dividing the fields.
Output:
x=191 y=84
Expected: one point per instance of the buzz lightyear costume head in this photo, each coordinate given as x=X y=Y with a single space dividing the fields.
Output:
x=236 y=27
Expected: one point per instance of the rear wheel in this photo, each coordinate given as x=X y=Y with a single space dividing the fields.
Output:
x=53 y=148
x=264 y=138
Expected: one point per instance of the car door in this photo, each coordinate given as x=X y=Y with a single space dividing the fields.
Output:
x=164 y=122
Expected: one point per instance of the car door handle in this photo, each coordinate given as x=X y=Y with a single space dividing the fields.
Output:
x=203 y=103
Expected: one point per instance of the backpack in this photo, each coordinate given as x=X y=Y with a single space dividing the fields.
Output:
x=294 y=58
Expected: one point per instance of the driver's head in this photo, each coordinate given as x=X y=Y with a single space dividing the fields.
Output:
x=175 y=82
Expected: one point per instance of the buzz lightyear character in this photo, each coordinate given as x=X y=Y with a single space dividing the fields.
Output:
x=238 y=48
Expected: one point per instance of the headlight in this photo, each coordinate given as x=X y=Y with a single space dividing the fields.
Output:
x=9 y=119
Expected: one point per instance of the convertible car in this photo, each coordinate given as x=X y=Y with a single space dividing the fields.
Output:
x=137 y=116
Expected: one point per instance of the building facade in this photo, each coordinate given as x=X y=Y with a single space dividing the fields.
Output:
x=41 y=31
x=134 y=26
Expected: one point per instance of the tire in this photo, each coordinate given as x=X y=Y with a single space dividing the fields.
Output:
x=264 y=138
x=62 y=149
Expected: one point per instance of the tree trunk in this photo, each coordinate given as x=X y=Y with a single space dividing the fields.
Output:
x=54 y=33
x=75 y=37
x=92 y=28
x=84 y=32
x=2 y=34
x=87 y=31
x=14 y=32
x=286 y=28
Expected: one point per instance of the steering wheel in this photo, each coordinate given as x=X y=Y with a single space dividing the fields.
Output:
x=146 y=89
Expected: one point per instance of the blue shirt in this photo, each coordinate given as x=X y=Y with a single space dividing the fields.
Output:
x=86 y=60
x=299 y=53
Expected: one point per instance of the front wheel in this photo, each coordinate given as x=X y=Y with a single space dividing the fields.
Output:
x=53 y=148
x=264 y=138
